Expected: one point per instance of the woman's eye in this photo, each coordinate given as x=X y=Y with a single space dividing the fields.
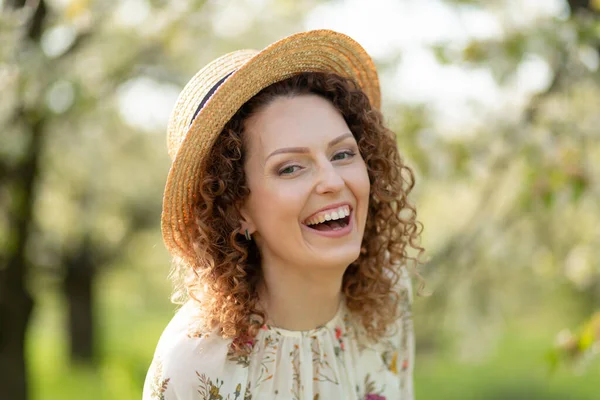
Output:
x=343 y=155
x=289 y=170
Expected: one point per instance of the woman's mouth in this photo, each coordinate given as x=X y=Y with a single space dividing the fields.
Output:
x=331 y=220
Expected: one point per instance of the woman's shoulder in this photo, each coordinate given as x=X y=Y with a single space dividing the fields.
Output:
x=180 y=340
x=182 y=358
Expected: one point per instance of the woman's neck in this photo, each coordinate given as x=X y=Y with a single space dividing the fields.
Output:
x=300 y=300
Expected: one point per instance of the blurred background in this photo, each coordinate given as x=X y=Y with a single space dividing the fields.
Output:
x=497 y=108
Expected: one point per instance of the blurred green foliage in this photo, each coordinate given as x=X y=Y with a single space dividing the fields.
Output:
x=509 y=204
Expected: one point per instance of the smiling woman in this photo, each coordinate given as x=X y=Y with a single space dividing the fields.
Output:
x=286 y=212
x=322 y=173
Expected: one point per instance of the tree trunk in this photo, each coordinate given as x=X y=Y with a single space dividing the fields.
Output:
x=15 y=309
x=16 y=304
x=79 y=294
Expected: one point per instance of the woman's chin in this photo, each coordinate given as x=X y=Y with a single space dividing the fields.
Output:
x=337 y=258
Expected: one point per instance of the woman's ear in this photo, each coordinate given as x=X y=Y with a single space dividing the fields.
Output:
x=246 y=221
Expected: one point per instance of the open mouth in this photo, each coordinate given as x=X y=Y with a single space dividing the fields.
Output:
x=330 y=221
x=331 y=225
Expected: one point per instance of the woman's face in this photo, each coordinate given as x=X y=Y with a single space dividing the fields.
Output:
x=309 y=187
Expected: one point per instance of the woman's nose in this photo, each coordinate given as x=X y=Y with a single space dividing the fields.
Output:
x=329 y=179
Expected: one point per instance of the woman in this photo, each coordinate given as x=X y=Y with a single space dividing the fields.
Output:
x=286 y=212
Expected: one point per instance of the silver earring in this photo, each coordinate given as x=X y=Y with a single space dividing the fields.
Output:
x=248 y=237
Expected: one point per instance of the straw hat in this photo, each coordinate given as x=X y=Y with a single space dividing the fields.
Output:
x=212 y=97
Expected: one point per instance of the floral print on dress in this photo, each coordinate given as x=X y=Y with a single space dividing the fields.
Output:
x=371 y=391
x=297 y=387
x=340 y=337
x=248 y=394
x=212 y=391
x=158 y=384
x=270 y=347
x=243 y=360
x=390 y=359
x=323 y=371
x=374 y=397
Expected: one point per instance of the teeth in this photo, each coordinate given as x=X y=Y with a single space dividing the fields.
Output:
x=341 y=212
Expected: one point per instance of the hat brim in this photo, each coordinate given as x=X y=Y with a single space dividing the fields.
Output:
x=313 y=51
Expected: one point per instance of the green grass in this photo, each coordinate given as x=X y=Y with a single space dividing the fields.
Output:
x=125 y=351
x=517 y=370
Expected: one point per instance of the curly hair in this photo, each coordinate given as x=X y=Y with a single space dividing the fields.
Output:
x=227 y=271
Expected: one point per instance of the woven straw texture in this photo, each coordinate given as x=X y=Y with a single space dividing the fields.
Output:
x=251 y=71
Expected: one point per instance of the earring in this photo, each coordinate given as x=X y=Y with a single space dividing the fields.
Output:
x=248 y=237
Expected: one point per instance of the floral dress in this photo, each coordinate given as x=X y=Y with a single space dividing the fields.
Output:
x=328 y=362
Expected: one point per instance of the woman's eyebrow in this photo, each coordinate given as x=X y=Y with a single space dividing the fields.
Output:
x=306 y=149
x=339 y=139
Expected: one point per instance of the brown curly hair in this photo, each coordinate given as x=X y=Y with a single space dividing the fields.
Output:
x=227 y=271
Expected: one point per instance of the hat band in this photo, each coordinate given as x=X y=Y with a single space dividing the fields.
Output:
x=209 y=94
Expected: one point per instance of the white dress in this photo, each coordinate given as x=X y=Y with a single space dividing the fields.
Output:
x=328 y=362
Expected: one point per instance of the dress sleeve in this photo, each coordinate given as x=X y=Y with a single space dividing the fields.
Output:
x=187 y=367
x=157 y=385
x=406 y=337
